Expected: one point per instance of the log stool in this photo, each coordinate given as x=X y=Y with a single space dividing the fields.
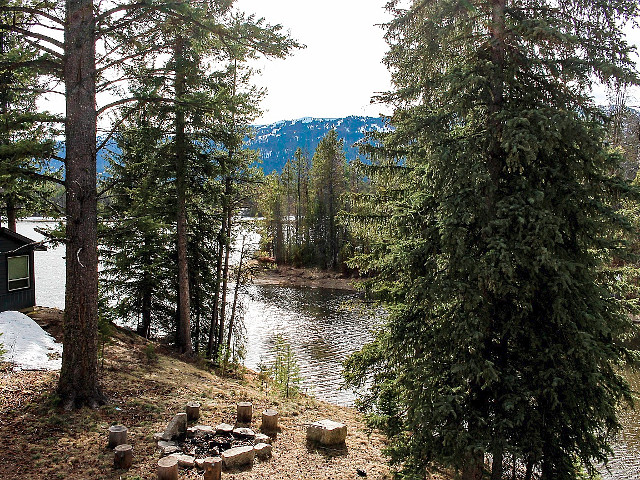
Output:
x=193 y=411
x=168 y=468
x=245 y=412
x=269 y=420
x=123 y=456
x=212 y=468
x=117 y=435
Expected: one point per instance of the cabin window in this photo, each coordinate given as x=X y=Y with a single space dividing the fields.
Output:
x=18 y=272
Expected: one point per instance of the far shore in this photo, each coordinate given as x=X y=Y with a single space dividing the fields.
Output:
x=288 y=276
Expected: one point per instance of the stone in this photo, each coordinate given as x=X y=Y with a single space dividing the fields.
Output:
x=158 y=436
x=263 y=451
x=262 y=438
x=327 y=432
x=200 y=429
x=176 y=428
x=244 y=433
x=171 y=449
x=238 y=457
x=164 y=443
x=224 y=429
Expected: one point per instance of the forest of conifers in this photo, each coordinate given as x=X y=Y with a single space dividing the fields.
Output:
x=496 y=218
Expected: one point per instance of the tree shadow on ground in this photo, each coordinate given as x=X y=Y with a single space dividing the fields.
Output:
x=329 y=452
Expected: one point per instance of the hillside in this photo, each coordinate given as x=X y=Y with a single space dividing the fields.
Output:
x=278 y=141
x=147 y=385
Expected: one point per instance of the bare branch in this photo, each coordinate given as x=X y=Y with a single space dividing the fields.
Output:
x=124 y=101
x=27 y=33
x=46 y=49
x=33 y=11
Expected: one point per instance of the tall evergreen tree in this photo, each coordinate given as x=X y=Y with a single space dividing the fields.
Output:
x=504 y=336
x=328 y=184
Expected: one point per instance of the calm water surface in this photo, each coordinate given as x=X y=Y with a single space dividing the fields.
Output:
x=322 y=331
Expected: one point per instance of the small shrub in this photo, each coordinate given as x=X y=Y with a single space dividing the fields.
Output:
x=150 y=353
x=283 y=371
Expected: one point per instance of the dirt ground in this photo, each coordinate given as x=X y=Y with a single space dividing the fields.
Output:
x=38 y=440
x=304 y=277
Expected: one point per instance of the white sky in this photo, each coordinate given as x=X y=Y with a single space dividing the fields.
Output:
x=338 y=72
x=341 y=69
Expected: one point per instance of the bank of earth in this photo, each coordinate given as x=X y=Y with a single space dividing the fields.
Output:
x=41 y=441
x=288 y=276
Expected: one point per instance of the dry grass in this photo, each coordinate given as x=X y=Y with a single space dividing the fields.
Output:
x=40 y=441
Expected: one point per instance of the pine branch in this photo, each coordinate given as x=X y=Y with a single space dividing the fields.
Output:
x=34 y=35
x=35 y=175
x=33 y=11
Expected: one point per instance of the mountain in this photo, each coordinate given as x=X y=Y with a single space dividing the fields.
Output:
x=278 y=141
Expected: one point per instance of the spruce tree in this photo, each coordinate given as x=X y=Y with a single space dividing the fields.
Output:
x=327 y=184
x=504 y=336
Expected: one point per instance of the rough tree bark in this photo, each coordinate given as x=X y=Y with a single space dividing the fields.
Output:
x=78 y=384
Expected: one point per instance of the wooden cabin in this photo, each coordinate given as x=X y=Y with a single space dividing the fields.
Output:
x=17 y=279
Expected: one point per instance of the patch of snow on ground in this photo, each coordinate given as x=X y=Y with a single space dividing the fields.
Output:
x=27 y=345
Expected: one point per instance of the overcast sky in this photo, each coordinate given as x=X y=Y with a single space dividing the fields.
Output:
x=338 y=72
x=341 y=69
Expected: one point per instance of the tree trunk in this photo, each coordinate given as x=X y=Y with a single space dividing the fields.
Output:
x=235 y=302
x=78 y=384
x=184 y=314
x=211 y=347
x=12 y=216
x=497 y=468
x=144 y=329
x=225 y=270
x=472 y=469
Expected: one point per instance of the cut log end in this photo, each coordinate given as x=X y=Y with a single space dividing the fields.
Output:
x=168 y=468
x=123 y=456
x=117 y=435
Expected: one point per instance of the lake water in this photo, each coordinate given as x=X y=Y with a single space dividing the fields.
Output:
x=323 y=330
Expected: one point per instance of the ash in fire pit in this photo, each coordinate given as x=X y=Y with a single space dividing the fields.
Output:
x=208 y=442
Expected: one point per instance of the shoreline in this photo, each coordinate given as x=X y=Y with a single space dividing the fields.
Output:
x=287 y=276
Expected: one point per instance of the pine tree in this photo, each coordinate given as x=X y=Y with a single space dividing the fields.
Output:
x=503 y=341
x=197 y=81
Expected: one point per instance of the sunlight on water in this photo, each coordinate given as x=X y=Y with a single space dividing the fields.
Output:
x=319 y=324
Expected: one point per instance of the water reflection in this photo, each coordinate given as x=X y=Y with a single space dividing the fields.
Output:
x=322 y=326
x=625 y=464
